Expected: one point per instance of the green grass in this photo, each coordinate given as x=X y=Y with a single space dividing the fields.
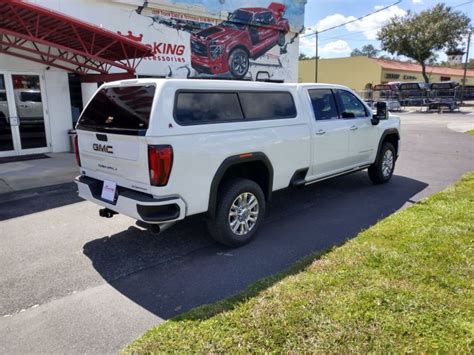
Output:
x=404 y=285
x=471 y=132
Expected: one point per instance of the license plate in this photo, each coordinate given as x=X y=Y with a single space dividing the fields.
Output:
x=108 y=191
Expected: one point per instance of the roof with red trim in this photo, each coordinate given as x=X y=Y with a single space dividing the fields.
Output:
x=413 y=67
x=39 y=34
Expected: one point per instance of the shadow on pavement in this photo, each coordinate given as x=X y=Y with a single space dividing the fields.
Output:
x=183 y=268
x=22 y=203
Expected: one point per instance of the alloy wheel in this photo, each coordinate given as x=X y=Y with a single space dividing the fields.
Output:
x=243 y=213
x=387 y=163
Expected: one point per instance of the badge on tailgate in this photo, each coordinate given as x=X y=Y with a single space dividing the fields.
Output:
x=103 y=148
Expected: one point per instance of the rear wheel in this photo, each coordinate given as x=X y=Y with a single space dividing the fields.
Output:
x=239 y=213
x=382 y=170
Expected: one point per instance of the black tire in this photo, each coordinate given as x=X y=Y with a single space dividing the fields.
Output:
x=239 y=63
x=220 y=226
x=281 y=39
x=378 y=172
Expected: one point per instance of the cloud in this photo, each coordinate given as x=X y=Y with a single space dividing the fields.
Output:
x=417 y=1
x=338 y=46
x=368 y=26
x=307 y=46
x=330 y=21
x=371 y=25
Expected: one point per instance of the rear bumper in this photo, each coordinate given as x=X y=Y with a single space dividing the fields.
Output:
x=134 y=204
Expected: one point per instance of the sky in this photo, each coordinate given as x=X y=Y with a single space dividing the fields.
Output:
x=340 y=42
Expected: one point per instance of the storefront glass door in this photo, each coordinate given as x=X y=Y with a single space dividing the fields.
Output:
x=6 y=134
x=22 y=115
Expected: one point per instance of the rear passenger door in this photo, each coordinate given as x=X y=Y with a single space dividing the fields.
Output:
x=362 y=134
x=330 y=142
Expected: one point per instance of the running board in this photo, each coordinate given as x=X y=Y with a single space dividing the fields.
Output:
x=345 y=172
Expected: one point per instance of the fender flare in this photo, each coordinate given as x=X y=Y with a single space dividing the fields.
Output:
x=238 y=45
x=236 y=160
x=385 y=133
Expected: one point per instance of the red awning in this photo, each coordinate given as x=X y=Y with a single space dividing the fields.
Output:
x=35 y=33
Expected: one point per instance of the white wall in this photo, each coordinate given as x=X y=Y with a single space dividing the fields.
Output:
x=56 y=95
x=59 y=105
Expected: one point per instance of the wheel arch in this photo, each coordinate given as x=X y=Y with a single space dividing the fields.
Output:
x=391 y=135
x=239 y=46
x=254 y=166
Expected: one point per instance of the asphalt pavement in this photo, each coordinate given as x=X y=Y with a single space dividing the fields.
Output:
x=72 y=282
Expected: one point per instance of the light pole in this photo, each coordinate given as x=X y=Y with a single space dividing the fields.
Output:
x=316 y=58
x=469 y=32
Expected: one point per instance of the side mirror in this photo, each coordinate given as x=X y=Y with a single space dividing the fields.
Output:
x=381 y=114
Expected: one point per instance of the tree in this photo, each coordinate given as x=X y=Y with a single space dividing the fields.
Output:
x=366 y=51
x=419 y=36
x=303 y=56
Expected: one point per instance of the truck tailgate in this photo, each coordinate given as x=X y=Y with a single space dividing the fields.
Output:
x=118 y=156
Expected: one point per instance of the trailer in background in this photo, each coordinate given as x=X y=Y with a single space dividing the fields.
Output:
x=444 y=94
x=388 y=93
x=414 y=94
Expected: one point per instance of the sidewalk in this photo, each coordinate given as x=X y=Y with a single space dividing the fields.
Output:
x=60 y=168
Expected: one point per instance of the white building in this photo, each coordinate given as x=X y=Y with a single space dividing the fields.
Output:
x=51 y=62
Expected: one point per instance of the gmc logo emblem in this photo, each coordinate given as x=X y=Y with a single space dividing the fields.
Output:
x=103 y=148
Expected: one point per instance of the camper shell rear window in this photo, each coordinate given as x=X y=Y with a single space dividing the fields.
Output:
x=120 y=110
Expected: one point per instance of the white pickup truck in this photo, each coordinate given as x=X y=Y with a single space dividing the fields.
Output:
x=160 y=150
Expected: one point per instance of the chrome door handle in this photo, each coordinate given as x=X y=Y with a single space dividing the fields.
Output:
x=354 y=128
x=320 y=132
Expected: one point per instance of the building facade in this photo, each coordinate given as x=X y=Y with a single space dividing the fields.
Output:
x=361 y=73
x=40 y=100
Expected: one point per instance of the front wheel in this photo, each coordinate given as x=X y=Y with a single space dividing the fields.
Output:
x=238 y=63
x=240 y=211
x=382 y=170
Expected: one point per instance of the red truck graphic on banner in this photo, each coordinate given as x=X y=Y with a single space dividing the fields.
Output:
x=247 y=34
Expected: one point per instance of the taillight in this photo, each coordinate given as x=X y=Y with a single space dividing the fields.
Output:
x=76 y=150
x=160 y=161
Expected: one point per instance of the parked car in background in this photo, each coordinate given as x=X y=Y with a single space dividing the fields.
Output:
x=29 y=106
x=247 y=34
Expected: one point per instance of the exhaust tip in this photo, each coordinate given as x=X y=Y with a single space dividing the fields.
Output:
x=154 y=228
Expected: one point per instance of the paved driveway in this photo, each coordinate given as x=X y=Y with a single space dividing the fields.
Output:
x=73 y=282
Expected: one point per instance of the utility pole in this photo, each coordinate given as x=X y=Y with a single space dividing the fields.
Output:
x=316 y=59
x=469 y=31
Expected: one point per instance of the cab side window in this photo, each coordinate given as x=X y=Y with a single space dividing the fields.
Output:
x=349 y=105
x=324 y=104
